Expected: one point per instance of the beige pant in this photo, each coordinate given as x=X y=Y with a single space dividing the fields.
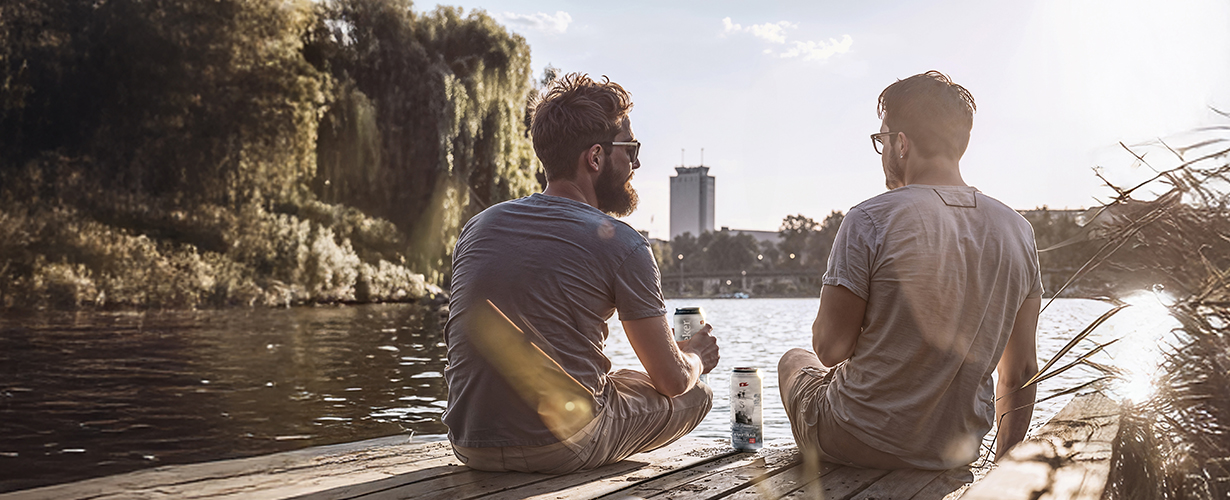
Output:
x=803 y=381
x=636 y=419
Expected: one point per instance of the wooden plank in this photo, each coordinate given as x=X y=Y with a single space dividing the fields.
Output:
x=763 y=464
x=1068 y=458
x=673 y=480
x=899 y=484
x=324 y=474
x=643 y=467
x=426 y=470
x=948 y=486
x=583 y=484
x=467 y=484
x=796 y=476
x=198 y=480
x=841 y=484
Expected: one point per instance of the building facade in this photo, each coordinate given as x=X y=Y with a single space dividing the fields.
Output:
x=691 y=201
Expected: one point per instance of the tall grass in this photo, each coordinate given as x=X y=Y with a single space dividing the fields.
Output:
x=1170 y=230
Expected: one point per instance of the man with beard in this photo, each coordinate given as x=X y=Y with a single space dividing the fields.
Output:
x=930 y=288
x=535 y=281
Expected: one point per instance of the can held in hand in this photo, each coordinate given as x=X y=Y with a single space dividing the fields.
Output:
x=688 y=321
x=746 y=418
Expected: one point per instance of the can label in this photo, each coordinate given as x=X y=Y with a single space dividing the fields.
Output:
x=746 y=419
x=688 y=321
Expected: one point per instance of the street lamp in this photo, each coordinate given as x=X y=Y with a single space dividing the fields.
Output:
x=682 y=278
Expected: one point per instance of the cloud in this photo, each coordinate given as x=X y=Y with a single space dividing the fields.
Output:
x=773 y=32
x=813 y=51
x=546 y=23
x=776 y=33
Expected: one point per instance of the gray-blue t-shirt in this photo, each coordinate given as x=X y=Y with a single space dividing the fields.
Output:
x=550 y=264
x=944 y=270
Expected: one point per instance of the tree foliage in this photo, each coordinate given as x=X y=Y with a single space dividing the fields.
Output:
x=428 y=126
x=726 y=251
x=250 y=151
x=199 y=101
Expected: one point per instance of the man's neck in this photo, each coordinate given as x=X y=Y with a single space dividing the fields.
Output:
x=934 y=172
x=572 y=190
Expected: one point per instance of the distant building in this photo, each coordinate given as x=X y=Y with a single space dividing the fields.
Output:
x=691 y=201
x=761 y=236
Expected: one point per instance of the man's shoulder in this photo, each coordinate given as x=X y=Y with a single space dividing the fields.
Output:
x=887 y=200
x=541 y=207
x=556 y=215
x=994 y=202
x=1002 y=210
x=878 y=207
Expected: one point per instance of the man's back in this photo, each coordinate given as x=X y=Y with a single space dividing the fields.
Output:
x=943 y=270
x=554 y=266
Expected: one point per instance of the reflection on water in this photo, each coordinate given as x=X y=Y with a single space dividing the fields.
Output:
x=92 y=394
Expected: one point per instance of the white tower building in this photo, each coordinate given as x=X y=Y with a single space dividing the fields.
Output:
x=691 y=201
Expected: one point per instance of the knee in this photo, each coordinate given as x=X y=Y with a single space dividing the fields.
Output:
x=699 y=395
x=795 y=359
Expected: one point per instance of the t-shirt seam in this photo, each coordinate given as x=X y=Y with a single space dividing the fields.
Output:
x=640 y=313
x=842 y=279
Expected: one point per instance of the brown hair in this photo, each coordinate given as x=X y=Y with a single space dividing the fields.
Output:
x=935 y=113
x=574 y=114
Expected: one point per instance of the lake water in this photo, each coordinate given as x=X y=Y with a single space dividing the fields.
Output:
x=92 y=394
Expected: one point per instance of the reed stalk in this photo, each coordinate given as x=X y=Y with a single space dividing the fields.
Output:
x=1171 y=232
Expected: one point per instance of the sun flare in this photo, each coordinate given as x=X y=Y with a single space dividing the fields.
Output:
x=1144 y=330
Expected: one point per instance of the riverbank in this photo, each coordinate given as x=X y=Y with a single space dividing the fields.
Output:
x=102 y=253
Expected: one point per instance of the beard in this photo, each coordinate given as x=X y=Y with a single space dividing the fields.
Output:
x=615 y=196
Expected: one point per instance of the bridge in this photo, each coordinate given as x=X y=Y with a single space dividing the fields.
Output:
x=796 y=282
x=754 y=282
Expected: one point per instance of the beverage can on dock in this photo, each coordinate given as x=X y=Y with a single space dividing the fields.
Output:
x=688 y=321
x=746 y=420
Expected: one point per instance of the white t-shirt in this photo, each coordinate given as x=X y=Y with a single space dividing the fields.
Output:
x=944 y=270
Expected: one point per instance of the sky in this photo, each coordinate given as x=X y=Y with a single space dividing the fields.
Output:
x=781 y=96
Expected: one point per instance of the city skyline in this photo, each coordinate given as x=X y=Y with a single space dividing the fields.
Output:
x=782 y=95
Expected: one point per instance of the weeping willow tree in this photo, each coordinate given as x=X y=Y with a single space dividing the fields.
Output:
x=428 y=125
x=210 y=152
x=195 y=101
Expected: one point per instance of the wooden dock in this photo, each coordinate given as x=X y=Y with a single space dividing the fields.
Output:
x=1067 y=460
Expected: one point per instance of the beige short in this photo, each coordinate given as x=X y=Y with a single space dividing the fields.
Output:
x=817 y=432
x=636 y=419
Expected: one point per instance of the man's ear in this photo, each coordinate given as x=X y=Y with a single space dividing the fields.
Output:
x=593 y=157
x=904 y=142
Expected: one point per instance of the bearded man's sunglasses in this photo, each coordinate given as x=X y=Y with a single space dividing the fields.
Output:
x=635 y=145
